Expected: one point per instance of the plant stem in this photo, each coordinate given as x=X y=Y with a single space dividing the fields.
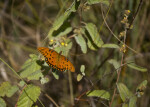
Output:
x=116 y=82
x=71 y=88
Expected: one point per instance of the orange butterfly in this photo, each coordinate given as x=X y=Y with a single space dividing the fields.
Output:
x=55 y=60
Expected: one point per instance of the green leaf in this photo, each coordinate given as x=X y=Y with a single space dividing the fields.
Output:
x=58 y=23
x=31 y=69
x=140 y=89
x=12 y=91
x=4 y=87
x=82 y=69
x=106 y=2
x=80 y=40
x=110 y=46
x=132 y=102
x=28 y=96
x=114 y=63
x=35 y=75
x=61 y=31
x=79 y=77
x=124 y=92
x=7 y=89
x=99 y=93
x=2 y=103
x=60 y=20
x=65 y=31
x=136 y=67
x=94 y=40
x=44 y=80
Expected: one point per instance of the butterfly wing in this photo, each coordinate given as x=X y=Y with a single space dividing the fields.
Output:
x=65 y=64
x=56 y=60
x=51 y=56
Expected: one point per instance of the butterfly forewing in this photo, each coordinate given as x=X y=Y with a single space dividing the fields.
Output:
x=56 y=60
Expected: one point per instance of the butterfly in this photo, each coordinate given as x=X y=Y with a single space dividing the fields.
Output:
x=56 y=60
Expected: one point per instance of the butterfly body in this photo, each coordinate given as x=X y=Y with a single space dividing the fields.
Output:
x=56 y=60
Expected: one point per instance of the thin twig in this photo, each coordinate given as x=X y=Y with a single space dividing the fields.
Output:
x=50 y=98
x=118 y=76
x=119 y=39
x=139 y=6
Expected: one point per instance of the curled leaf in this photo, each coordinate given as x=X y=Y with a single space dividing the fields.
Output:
x=110 y=46
x=99 y=93
x=136 y=67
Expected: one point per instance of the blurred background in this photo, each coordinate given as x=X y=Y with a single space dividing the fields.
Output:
x=24 y=24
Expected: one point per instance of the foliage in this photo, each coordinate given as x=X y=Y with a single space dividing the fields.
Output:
x=31 y=69
x=29 y=95
x=82 y=70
